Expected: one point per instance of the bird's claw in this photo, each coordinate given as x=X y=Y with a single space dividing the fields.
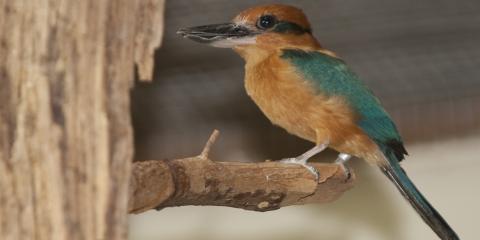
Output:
x=341 y=161
x=346 y=171
x=303 y=164
x=290 y=160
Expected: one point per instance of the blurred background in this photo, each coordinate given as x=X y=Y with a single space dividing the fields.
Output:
x=421 y=58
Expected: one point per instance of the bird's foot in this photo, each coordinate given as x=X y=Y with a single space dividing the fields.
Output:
x=302 y=159
x=341 y=161
x=302 y=163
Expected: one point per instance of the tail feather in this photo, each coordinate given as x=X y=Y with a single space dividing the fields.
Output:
x=396 y=174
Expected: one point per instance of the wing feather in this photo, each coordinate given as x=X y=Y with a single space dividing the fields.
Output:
x=331 y=76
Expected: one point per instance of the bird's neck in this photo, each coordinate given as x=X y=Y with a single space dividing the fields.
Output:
x=254 y=54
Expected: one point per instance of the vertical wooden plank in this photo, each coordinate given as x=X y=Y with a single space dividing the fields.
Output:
x=66 y=69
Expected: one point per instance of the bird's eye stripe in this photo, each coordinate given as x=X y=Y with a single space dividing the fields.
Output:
x=266 y=22
x=290 y=27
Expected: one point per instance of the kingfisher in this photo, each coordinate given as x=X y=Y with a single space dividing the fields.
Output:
x=311 y=92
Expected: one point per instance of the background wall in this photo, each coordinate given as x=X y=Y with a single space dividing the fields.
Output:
x=421 y=58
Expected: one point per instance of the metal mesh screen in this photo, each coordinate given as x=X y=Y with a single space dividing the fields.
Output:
x=421 y=58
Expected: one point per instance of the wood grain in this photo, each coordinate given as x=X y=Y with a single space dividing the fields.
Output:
x=66 y=70
x=261 y=186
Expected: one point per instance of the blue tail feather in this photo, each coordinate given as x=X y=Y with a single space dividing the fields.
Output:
x=397 y=175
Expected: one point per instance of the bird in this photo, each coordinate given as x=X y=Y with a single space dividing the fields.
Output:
x=311 y=92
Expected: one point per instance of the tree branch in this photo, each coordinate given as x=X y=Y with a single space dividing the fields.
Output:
x=252 y=186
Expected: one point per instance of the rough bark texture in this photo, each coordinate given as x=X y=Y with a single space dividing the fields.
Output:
x=66 y=69
x=252 y=186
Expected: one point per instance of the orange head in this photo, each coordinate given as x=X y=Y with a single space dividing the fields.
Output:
x=265 y=27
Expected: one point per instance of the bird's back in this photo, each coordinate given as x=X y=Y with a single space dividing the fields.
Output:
x=331 y=76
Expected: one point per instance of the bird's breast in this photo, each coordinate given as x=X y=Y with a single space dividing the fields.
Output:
x=282 y=96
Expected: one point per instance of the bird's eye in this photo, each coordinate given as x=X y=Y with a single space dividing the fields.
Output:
x=266 y=22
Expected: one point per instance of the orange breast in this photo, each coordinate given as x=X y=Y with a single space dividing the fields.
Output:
x=290 y=102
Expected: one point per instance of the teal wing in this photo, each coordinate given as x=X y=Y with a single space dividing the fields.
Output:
x=331 y=76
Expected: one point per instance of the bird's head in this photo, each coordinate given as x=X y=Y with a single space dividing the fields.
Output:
x=265 y=27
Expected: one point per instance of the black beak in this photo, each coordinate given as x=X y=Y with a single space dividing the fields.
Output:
x=215 y=32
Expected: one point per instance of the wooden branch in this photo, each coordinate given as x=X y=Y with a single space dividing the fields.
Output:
x=252 y=186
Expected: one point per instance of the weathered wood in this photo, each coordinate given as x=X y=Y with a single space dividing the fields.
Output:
x=66 y=69
x=261 y=186
x=252 y=186
x=149 y=25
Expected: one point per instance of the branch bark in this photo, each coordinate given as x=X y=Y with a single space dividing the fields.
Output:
x=252 y=186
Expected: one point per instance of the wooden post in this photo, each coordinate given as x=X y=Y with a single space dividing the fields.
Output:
x=66 y=69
